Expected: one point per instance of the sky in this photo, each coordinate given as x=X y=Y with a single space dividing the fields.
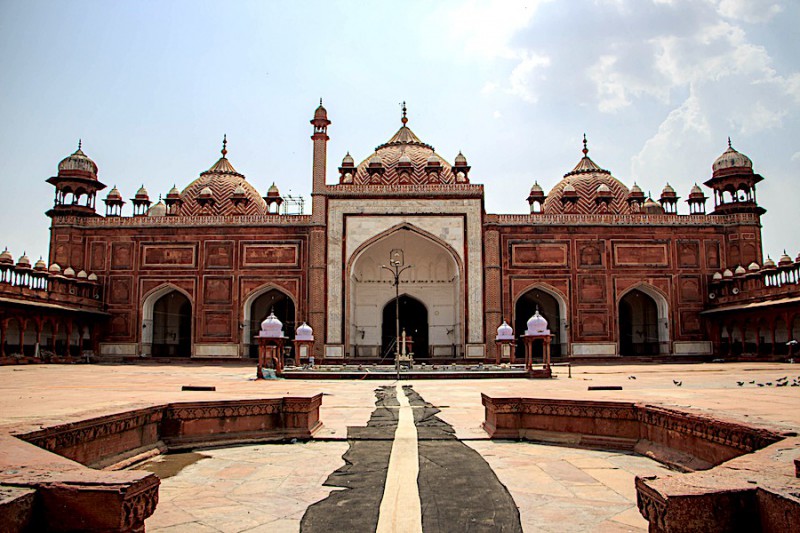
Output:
x=151 y=87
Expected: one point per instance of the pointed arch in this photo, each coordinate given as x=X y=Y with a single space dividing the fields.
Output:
x=663 y=326
x=249 y=325
x=148 y=306
x=563 y=312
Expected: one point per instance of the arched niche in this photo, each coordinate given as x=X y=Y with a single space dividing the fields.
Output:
x=643 y=321
x=552 y=307
x=413 y=320
x=167 y=323
x=257 y=306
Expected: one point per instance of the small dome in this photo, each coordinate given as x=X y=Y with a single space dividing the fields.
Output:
x=24 y=261
x=40 y=265
x=273 y=190
x=536 y=188
x=569 y=188
x=667 y=191
x=696 y=189
x=650 y=207
x=239 y=190
x=504 y=332
x=404 y=160
x=69 y=272
x=348 y=160
x=603 y=189
x=158 y=210
x=753 y=267
x=717 y=276
x=114 y=195
x=271 y=327
x=321 y=113
x=433 y=160
x=785 y=260
x=82 y=275
x=55 y=269
x=375 y=161
x=460 y=160
x=6 y=257
x=740 y=271
x=92 y=277
x=730 y=158
x=537 y=325
x=727 y=273
x=78 y=161
x=174 y=191
x=636 y=189
x=141 y=194
x=206 y=192
x=304 y=333
x=769 y=263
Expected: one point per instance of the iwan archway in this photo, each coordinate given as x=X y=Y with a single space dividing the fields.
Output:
x=167 y=323
x=643 y=322
x=434 y=280
x=413 y=321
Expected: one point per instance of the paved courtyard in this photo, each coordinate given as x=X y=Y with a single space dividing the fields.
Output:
x=272 y=487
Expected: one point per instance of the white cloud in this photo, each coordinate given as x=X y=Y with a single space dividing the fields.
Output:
x=752 y=11
x=488 y=88
x=526 y=74
x=497 y=114
x=795 y=156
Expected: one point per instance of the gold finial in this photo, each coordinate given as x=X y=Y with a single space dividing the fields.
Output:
x=404 y=120
x=224 y=145
x=585 y=150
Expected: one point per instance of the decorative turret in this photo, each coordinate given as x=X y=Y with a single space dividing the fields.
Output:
x=669 y=200
x=173 y=201
x=273 y=199
x=461 y=168
x=206 y=197
x=603 y=195
x=404 y=170
x=114 y=203
x=650 y=207
x=697 y=201
x=158 y=210
x=320 y=138
x=76 y=186
x=536 y=198
x=569 y=197
x=635 y=198
x=347 y=170
x=141 y=202
x=375 y=166
x=433 y=168
x=734 y=184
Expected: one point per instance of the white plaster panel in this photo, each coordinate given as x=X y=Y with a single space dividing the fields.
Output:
x=692 y=347
x=597 y=349
x=227 y=350
x=126 y=349
x=476 y=351
x=416 y=212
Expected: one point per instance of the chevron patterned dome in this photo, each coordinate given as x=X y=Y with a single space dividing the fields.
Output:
x=223 y=180
x=586 y=179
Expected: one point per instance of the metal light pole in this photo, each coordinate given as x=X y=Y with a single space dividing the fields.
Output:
x=396 y=261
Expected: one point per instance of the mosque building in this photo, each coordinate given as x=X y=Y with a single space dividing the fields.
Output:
x=614 y=273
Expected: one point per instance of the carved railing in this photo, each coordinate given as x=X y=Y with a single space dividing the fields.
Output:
x=576 y=219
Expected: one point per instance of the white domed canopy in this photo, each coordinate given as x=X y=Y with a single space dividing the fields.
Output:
x=158 y=210
x=6 y=257
x=54 y=269
x=505 y=332
x=753 y=267
x=271 y=327
x=730 y=158
x=348 y=160
x=728 y=273
x=537 y=325
x=69 y=272
x=78 y=161
x=82 y=275
x=304 y=333
x=740 y=270
x=717 y=276
x=92 y=277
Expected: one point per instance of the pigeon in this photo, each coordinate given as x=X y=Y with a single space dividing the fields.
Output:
x=769 y=384
x=752 y=382
x=784 y=378
x=740 y=383
x=631 y=377
x=678 y=383
x=782 y=384
x=760 y=384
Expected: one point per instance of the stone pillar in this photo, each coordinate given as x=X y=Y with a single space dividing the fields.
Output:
x=492 y=287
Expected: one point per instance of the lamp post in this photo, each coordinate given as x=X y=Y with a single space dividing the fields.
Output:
x=396 y=262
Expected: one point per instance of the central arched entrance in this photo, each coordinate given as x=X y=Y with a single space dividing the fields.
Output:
x=549 y=308
x=172 y=326
x=638 y=324
x=413 y=320
x=272 y=301
x=431 y=289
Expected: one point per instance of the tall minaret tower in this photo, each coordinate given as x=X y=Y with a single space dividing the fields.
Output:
x=320 y=138
x=318 y=236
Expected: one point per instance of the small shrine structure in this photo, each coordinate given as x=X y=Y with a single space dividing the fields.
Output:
x=270 y=346
x=303 y=342
x=505 y=343
x=537 y=332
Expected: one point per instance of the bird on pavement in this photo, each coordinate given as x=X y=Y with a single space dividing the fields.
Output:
x=740 y=383
x=678 y=383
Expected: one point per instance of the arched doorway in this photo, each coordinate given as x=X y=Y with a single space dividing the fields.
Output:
x=275 y=301
x=413 y=319
x=172 y=326
x=639 y=324
x=550 y=309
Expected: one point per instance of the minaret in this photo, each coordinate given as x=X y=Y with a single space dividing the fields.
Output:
x=320 y=138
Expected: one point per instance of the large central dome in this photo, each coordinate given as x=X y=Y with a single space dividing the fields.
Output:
x=404 y=160
x=585 y=181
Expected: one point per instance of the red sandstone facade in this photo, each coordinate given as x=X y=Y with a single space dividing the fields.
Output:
x=613 y=272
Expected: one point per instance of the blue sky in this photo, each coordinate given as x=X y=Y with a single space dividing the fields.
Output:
x=151 y=87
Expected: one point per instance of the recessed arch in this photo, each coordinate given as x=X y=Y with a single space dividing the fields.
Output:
x=436 y=279
x=654 y=333
x=250 y=324
x=413 y=320
x=557 y=326
x=177 y=326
